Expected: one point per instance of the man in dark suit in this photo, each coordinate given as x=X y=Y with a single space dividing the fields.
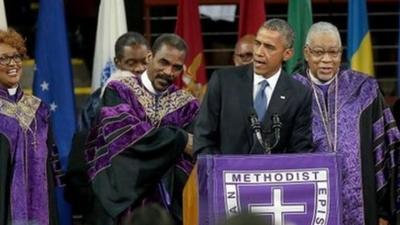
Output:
x=233 y=95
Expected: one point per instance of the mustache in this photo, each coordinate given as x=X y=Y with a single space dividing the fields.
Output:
x=165 y=77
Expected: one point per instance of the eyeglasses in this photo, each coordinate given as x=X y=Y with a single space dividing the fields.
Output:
x=319 y=53
x=5 y=60
x=248 y=56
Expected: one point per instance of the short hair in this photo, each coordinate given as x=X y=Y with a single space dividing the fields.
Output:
x=152 y=214
x=248 y=38
x=322 y=27
x=172 y=40
x=129 y=39
x=283 y=28
x=14 y=39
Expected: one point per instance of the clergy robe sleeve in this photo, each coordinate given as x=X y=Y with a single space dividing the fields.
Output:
x=139 y=167
x=5 y=176
x=386 y=142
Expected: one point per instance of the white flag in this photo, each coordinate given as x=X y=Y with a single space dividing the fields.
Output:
x=111 y=25
x=3 y=19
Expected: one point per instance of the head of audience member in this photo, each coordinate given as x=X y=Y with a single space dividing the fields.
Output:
x=151 y=214
x=132 y=53
x=12 y=52
x=273 y=46
x=244 y=50
x=323 y=51
x=167 y=63
x=245 y=219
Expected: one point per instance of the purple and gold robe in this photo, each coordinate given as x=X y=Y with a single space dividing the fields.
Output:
x=137 y=146
x=369 y=142
x=25 y=175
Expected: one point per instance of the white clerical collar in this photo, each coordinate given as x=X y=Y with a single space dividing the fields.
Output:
x=12 y=91
x=147 y=83
x=318 y=82
x=272 y=80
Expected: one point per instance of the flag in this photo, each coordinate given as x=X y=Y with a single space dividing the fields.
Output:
x=53 y=83
x=251 y=16
x=359 y=47
x=3 y=19
x=188 y=27
x=300 y=18
x=110 y=25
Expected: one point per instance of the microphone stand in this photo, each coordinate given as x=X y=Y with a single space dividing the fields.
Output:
x=256 y=127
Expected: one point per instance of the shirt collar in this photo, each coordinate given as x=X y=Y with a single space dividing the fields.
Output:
x=272 y=80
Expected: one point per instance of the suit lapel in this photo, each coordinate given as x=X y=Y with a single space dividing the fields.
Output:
x=246 y=94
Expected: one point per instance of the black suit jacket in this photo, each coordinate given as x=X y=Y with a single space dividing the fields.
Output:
x=223 y=126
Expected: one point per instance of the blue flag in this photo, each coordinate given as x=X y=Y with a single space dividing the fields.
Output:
x=359 y=45
x=53 y=83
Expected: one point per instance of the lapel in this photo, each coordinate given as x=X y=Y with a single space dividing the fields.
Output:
x=278 y=99
x=246 y=95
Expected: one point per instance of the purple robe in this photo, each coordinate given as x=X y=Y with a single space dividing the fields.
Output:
x=135 y=123
x=25 y=184
x=368 y=140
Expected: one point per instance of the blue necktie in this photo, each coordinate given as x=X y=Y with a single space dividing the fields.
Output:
x=260 y=102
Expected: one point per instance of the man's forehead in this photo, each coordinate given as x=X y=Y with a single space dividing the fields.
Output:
x=325 y=39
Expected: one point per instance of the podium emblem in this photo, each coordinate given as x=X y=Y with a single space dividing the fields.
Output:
x=283 y=197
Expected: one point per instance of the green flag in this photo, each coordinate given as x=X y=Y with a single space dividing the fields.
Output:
x=300 y=18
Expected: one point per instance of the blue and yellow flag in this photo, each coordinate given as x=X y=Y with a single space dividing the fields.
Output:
x=359 y=47
x=53 y=83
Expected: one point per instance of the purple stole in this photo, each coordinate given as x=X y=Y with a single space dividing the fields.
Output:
x=140 y=113
x=24 y=122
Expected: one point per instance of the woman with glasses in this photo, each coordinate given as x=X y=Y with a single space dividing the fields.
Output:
x=350 y=118
x=25 y=173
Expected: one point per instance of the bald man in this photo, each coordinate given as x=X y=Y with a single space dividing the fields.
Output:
x=244 y=50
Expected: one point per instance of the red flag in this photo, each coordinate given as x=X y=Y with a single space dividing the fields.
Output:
x=188 y=27
x=251 y=16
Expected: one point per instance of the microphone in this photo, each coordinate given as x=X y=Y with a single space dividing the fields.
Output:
x=256 y=127
x=276 y=127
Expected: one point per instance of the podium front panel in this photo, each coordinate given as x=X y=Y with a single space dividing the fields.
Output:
x=295 y=189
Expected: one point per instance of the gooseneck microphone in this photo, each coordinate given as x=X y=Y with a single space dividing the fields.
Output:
x=276 y=128
x=259 y=134
x=256 y=127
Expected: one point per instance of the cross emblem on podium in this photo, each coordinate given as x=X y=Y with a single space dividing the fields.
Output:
x=278 y=208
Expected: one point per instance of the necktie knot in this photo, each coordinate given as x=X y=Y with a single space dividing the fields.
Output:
x=260 y=102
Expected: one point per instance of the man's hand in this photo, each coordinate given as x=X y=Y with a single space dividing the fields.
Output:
x=189 y=145
x=383 y=222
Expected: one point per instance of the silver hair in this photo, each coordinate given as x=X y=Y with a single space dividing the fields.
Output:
x=322 y=27
x=283 y=28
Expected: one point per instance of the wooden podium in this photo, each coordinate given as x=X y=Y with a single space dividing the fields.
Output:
x=298 y=189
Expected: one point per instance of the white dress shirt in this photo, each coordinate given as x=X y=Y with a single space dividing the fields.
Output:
x=272 y=80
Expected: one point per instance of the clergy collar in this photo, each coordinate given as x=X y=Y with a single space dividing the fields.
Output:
x=272 y=80
x=318 y=82
x=12 y=91
x=148 y=85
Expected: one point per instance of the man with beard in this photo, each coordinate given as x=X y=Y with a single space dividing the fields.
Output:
x=351 y=118
x=140 y=150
